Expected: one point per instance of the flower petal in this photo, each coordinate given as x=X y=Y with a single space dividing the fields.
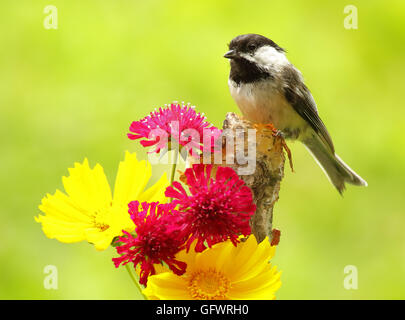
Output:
x=167 y=286
x=100 y=239
x=63 y=219
x=132 y=177
x=249 y=256
x=216 y=257
x=88 y=188
x=262 y=287
x=155 y=193
x=266 y=279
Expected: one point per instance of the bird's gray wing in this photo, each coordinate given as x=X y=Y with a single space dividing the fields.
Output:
x=300 y=98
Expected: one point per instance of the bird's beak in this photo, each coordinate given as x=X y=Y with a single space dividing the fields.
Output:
x=230 y=54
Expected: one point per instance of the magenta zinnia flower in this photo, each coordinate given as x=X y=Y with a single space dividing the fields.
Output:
x=157 y=240
x=216 y=209
x=179 y=124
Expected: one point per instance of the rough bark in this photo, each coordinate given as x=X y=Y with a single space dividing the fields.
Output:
x=266 y=179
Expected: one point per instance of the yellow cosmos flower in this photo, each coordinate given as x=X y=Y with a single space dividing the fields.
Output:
x=88 y=211
x=221 y=273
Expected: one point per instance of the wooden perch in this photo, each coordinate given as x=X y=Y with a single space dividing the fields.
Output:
x=265 y=180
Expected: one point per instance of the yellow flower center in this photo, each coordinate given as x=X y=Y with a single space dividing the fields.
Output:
x=100 y=218
x=208 y=285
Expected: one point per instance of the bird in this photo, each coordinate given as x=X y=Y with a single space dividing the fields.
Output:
x=268 y=89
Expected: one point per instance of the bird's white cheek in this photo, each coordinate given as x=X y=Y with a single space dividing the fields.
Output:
x=269 y=57
x=248 y=57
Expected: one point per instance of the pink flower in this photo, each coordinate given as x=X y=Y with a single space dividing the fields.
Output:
x=216 y=209
x=174 y=124
x=157 y=240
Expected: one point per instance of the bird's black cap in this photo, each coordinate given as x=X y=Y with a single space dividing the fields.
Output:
x=250 y=42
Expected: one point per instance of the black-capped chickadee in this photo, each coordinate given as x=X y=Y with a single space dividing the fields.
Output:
x=269 y=89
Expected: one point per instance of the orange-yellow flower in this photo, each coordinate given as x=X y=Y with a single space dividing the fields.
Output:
x=88 y=211
x=221 y=273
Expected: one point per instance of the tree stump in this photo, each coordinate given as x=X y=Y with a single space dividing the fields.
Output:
x=266 y=178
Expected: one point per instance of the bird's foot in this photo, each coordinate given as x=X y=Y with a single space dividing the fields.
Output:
x=268 y=126
x=277 y=134
x=287 y=149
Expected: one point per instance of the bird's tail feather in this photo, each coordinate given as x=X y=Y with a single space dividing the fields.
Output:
x=337 y=171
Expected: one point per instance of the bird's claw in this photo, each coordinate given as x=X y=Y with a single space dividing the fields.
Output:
x=268 y=126
x=287 y=149
x=277 y=134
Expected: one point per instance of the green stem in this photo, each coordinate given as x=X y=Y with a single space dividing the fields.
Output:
x=174 y=165
x=135 y=281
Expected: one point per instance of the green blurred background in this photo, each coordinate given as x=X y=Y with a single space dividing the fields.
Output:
x=71 y=93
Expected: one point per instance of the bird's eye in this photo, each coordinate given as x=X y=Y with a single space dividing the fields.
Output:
x=252 y=47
